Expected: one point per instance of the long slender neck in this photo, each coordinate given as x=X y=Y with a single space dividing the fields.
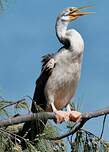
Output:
x=70 y=38
x=61 y=28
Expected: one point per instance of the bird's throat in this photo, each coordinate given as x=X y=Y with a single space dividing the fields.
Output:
x=61 y=28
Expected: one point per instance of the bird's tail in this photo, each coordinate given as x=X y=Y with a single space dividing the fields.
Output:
x=35 y=127
x=31 y=130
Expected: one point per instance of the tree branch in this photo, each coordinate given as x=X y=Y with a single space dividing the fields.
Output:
x=84 y=118
x=50 y=115
x=27 y=118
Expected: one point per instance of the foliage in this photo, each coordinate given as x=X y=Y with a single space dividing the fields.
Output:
x=7 y=144
x=3 y=111
x=47 y=145
x=9 y=108
x=39 y=145
x=10 y=141
x=88 y=142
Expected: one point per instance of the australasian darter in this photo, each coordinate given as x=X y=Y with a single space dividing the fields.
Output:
x=60 y=71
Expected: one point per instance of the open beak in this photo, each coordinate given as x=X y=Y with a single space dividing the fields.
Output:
x=77 y=12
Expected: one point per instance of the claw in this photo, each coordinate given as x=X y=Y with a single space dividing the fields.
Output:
x=67 y=116
x=74 y=116
x=61 y=116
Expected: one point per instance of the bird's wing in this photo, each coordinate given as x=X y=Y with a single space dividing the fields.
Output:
x=48 y=63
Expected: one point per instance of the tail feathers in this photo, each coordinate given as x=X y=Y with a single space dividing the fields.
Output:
x=32 y=129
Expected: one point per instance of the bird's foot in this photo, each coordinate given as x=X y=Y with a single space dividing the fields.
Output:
x=74 y=116
x=67 y=116
x=61 y=116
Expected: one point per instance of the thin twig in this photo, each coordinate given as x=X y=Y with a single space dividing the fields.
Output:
x=77 y=127
x=12 y=103
x=89 y=133
x=104 y=120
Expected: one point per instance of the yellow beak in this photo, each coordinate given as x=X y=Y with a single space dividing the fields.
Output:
x=77 y=12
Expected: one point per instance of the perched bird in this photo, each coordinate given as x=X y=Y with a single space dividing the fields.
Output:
x=60 y=71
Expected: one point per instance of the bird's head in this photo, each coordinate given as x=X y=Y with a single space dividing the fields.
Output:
x=72 y=13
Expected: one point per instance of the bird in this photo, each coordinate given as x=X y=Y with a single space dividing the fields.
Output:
x=60 y=72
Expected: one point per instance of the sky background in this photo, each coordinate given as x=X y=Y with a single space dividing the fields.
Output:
x=27 y=32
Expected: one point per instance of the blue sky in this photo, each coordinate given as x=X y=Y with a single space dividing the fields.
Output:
x=27 y=32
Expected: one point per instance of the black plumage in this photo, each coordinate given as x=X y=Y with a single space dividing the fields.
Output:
x=39 y=97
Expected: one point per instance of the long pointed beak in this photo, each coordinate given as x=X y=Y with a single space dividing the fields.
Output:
x=78 y=12
x=81 y=13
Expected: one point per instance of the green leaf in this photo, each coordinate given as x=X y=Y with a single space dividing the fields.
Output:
x=3 y=112
x=22 y=105
x=88 y=142
x=31 y=148
x=4 y=103
x=17 y=148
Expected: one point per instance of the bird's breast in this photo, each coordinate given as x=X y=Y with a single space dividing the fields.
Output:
x=61 y=85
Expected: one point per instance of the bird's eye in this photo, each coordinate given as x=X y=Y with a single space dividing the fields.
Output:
x=70 y=9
